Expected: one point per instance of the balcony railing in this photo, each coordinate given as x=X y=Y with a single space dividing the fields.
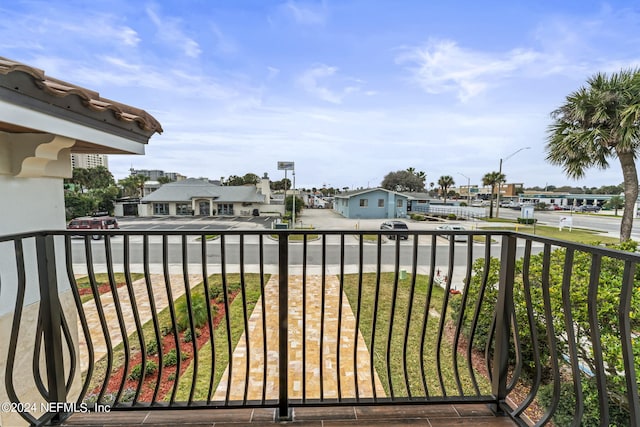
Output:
x=130 y=320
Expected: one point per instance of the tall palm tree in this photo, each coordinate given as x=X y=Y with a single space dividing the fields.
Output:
x=493 y=179
x=597 y=123
x=445 y=182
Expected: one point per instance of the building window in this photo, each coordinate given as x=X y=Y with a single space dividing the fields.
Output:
x=161 y=208
x=399 y=203
x=364 y=203
x=381 y=203
x=183 y=208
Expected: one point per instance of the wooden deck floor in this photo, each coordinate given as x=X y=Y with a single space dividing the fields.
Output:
x=419 y=415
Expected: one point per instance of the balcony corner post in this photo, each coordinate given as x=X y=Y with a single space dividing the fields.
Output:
x=504 y=308
x=51 y=318
x=284 y=412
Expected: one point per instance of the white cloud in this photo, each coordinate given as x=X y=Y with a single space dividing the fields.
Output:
x=443 y=66
x=318 y=79
x=168 y=30
x=306 y=13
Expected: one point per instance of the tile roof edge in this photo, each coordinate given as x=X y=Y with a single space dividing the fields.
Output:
x=90 y=99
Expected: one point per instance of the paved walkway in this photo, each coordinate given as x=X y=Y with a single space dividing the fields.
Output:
x=161 y=301
x=329 y=379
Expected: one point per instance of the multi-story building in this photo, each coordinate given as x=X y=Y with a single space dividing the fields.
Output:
x=87 y=161
x=156 y=174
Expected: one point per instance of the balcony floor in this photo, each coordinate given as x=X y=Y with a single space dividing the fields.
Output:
x=425 y=415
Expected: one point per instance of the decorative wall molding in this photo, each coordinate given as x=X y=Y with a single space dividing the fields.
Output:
x=29 y=155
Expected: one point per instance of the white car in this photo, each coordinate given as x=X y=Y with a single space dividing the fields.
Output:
x=454 y=227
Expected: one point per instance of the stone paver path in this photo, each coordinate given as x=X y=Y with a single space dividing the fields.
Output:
x=348 y=338
x=144 y=310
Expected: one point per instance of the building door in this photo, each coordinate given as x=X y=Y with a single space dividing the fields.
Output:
x=204 y=208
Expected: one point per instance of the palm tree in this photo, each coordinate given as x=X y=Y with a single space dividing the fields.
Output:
x=493 y=179
x=596 y=123
x=445 y=182
x=615 y=202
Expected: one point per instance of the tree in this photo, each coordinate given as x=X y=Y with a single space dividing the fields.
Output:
x=99 y=177
x=445 y=182
x=234 y=180
x=493 y=179
x=250 y=178
x=164 y=180
x=615 y=202
x=283 y=184
x=597 y=123
x=402 y=181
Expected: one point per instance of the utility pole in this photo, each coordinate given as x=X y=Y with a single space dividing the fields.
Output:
x=500 y=173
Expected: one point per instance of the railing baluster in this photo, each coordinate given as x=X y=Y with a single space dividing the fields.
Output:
x=627 y=346
x=427 y=308
x=392 y=315
x=264 y=321
x=571 y=336
x=407 y=323
x=304 y=319
x=339 y=331
x=245 y=318
x=172 y=313
x=504 y=308
x=118 y=307
x=205 y=282
x=376 y=298
x=192 y=326
x=322 y=310
x=283 y=332
x=154 y=318
x=227 y=314
x=596 y=342
x=358 y=314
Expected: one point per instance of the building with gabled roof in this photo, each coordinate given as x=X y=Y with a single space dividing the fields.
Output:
x=371 y=203
x=199 y=197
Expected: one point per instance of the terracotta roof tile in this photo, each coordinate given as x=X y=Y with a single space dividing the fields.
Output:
x=90 y=99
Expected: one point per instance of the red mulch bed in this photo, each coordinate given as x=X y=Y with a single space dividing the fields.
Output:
x=103 y=288
x=168 y=344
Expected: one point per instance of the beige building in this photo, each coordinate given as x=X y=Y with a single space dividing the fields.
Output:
x=87 y=161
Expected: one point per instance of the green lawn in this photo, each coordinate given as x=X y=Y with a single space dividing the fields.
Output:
x=101 y=279
x=591 y=237
x=398 y=352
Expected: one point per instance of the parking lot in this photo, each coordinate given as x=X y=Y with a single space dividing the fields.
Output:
x=194 y=223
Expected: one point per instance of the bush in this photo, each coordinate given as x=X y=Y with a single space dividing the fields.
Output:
x=150 y=368
x=198 y=311
x=215 y=291
x=166 y=330
x=452 y=216
x=418 y=217
x=563 y=416
x=171 y=358
x=151 y=347
x=527 y=220
x=187 y=335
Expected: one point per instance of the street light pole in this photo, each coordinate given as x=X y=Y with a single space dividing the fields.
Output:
x=468 y=188
x=294 y=199
x=500 y=182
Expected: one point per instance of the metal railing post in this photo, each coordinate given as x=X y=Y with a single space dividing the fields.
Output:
x=283 y=333
x=51 y=317
x=504 y=308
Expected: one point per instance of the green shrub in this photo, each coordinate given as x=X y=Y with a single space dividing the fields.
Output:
x=563 y=416
x=187 y=335
x=198 y=311
x=527 y=220
x=452 y=216
x=166 y=330
x=215 y=291
x=150 y=368
x=171 y=358
x=151 y=347
x=418 y=217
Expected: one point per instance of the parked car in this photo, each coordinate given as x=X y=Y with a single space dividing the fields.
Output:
x=93 y=223
x=588 y=208
x=454 y=227
x=395 y=225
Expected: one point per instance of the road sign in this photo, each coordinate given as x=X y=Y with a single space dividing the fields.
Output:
x=286 y=166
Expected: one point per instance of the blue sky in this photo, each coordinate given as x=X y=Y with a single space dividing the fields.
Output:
x=348 y=89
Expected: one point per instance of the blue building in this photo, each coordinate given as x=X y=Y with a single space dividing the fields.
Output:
x=371 y=203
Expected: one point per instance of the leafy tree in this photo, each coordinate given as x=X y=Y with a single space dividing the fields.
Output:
x=251 y=178
x=615 y=202
x=79 y=204
x=445 y=182
x=234 y=180
x=283 y=184
x=289 y=204
x=99 y=177
x=493 y=179
x=597 y=123
x=402 y=181
x=164 y=180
